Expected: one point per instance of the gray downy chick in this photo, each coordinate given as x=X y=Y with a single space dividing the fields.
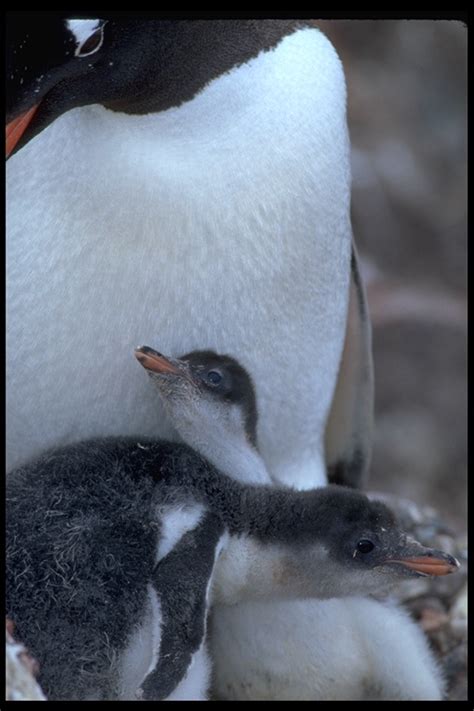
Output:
x=113 y=554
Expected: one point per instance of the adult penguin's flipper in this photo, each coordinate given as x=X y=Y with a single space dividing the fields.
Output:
x=348 y=438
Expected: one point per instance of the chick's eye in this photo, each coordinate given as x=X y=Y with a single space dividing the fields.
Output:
x=365 y=546
x=214 y=377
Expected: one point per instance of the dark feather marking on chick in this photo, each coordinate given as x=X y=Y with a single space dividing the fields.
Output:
x=181 y=581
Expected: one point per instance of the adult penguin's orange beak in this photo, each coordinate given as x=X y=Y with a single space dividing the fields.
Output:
x=16 y=128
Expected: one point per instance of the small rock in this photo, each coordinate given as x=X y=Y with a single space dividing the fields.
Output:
x=19 y=667
x=431 y=620
x=459 y=613
x=418 y=605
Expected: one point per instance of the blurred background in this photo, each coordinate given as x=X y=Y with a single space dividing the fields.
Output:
x=407 y=115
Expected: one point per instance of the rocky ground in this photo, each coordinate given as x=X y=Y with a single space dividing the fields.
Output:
x=439 y=605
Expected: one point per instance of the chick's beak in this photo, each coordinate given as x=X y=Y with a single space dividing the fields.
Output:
x=431 y=562
x=155 y=362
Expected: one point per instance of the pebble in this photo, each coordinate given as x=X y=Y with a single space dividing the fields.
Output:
x=20 y=668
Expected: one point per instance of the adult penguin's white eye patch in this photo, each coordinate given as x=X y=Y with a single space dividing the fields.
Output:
x=88 y=34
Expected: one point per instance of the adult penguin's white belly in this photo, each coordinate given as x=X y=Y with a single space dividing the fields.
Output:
x=222 y=223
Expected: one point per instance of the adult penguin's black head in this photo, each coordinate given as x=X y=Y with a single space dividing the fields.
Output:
x=56 y=62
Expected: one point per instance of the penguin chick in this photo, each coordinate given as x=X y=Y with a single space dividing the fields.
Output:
x=112 y=544
x=359 y=546
x=281 y=652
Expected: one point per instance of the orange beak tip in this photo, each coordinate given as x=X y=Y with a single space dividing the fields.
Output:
x=16 y=128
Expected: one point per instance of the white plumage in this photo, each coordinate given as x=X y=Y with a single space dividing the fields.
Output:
x=223 y=224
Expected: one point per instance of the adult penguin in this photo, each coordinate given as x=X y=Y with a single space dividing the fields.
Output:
x=187 y=182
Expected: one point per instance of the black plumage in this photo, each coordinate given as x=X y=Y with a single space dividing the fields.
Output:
x=84 y=526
